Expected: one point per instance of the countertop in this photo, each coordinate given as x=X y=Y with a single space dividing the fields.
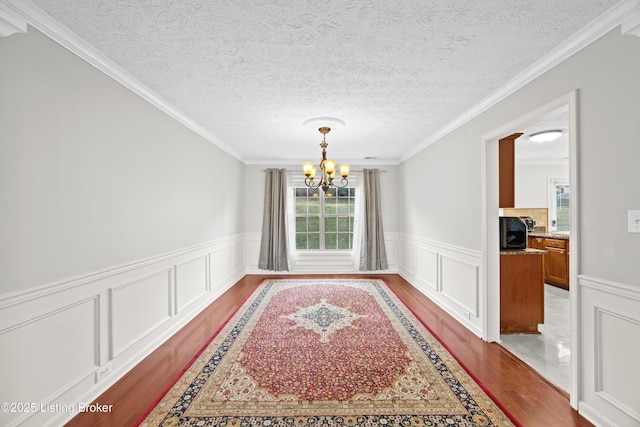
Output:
x=550 y=235
x=527 y=251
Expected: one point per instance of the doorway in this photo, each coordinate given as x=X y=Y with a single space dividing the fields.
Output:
x=541 y=193
x=491 y=253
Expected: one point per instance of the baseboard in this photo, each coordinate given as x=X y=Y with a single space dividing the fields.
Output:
x=593 y=416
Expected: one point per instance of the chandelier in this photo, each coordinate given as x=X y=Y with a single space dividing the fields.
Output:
x=327 y=169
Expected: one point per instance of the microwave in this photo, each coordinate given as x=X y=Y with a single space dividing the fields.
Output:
x=513 y=233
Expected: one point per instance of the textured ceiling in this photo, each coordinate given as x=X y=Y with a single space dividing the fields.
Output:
x=251 y=72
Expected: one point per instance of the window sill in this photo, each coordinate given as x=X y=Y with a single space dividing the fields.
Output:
x=322 y=258
x=326 y=252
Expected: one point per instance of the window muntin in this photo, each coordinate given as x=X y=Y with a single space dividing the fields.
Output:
x=562 y=203
x=324 y=221
x=559 y=205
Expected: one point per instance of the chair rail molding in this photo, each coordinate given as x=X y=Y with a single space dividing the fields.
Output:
x=100 y=332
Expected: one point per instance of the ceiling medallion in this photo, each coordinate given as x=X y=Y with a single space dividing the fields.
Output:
x=327 y=166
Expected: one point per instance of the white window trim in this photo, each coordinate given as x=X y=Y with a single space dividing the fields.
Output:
x=551 y=193
x=317 y=259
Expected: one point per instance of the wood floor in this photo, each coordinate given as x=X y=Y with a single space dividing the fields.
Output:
x=529 y=397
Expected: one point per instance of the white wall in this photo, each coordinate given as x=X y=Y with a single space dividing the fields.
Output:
x=92 y=176
x=532 y=184
x=448 y=213
x=606 y=75
x=117 y=226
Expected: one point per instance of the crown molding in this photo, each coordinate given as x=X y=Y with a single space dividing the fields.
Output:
x=297 y=163
x=627 y=13
x=631 y=25
x=10 y=21
x=40 y=20
x=16 y=14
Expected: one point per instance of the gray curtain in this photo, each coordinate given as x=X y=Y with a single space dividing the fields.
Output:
x=273 y=248
x=373 y=255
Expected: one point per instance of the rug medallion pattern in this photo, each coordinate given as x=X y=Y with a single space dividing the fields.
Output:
x=330 y=353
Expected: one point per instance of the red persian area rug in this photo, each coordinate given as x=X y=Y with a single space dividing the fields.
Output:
x=325 y=353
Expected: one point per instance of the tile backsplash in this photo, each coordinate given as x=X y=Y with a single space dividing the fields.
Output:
x=540 y=215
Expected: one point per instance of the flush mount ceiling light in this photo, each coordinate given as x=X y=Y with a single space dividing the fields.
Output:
x=545 y=136
x=327 y=166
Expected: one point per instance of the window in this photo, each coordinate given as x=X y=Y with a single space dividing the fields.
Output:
x=324 y=221
x=559 y=203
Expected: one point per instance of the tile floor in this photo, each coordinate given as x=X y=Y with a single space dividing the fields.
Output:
x=549 y=352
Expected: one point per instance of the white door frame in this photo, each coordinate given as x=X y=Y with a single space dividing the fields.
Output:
x=490 y=267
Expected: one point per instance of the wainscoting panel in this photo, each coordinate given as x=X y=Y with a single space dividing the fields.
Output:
x=226 y=263
x=448 y=275
x=253 y=252
x=66 y=342
x=391 y=247
x=137 y=308
x=610 y=326
x=238 y=258
x=613 y=383
x=220 y=261
x=407 y=258
x=37 y=364
x=190 y=281
x=459 y=283
x=427 y=267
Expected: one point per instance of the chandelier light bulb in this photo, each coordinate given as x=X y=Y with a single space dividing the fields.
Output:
x=308 y=169
x=330 y=166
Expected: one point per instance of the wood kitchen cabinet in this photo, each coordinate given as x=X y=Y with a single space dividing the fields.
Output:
x=506 y=171
x=556 y=269
x=521 y=291
x=536 y=242
x=556 y=261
